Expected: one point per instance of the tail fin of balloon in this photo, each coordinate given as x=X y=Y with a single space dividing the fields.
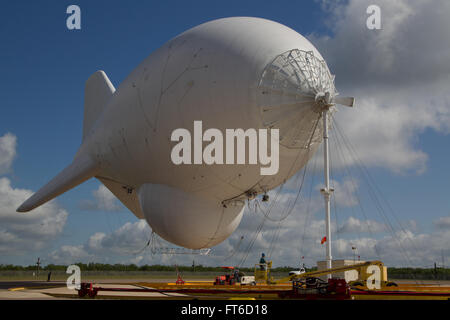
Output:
x=81 y=169
x=97 y=92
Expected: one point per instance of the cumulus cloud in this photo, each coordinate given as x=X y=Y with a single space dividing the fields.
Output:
x=104 y=200
x=299 y=238
x=354 y=225
x=399 y=76
x=412 y=31
x=344 y=191
x=7 y=152
x=285 y=241
x=127 y=241
x=405 y=248
x=69 y=254
x=26 y=231
x=442 y=223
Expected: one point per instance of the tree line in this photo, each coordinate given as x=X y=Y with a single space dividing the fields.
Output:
x=132 y=267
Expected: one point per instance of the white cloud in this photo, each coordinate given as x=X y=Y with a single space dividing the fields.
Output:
x=411 y=47
x=284 y=243
x=442 y=223
x=354 y=225
x=7 y=152
x=298 y=238
x=104 y=200
x=26 y=231
x=344 y=191
x=399 y=76
x=127 y=241
x=68 y=254
x=95 y=241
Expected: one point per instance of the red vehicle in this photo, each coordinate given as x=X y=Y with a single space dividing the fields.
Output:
x=228 y=279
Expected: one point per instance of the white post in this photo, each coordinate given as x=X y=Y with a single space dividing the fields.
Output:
x=327 y=191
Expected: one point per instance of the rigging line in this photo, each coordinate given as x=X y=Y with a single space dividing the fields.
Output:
x=236 y=248
x=371 y=191
x=152 y=244
x=256 y=234
x=274 y=237
x=261 y=225
x=334 y=199
x=356 y=191
x=338 y=236
x=290 y=209
x=143 y=249
x=310 y=191
x=298 y=175
x=341 y=158
x=217 y=229
x=279 y=191
x=377 y=189
x=266 y=215
x=352 y=181
x=372 y=194
x=308 y=145
x=252 y=241
x=314 y=127
x=367 y=181
x=394 y=235
x=308 y=206
x=243 y=252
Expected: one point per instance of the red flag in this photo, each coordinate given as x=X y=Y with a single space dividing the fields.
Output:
x=323 y=240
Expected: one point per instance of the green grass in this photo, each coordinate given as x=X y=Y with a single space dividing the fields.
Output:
x=96 y=271
x=119 y=275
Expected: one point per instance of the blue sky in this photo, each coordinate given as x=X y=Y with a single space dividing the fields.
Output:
x=44 y=67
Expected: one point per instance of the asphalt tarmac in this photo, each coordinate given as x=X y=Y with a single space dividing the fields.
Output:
x=7 y=285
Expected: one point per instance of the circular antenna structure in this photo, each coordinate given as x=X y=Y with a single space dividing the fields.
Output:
x=288 y=89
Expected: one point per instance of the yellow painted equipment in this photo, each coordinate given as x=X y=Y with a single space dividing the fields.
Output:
x=371 y=275
x=262 y=272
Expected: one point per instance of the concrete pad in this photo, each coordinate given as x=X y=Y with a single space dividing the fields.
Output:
x=23 y=295
x=66 y=291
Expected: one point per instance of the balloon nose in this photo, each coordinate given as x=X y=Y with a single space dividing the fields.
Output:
x=288 y=94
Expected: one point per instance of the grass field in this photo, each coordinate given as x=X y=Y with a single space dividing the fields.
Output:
x=99 y=275
x=146 y=276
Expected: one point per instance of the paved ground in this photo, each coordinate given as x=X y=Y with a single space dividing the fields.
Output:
x=27 y=290
x=42 y=290
x=38 y=290
x=29 y=284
